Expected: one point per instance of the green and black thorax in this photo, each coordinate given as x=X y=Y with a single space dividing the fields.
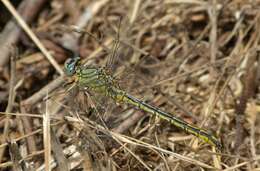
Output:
x=92 y=78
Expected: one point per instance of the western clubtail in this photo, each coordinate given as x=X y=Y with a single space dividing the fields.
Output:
x=98 y=80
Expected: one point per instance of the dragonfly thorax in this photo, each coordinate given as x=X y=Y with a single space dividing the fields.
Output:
x=95 y=79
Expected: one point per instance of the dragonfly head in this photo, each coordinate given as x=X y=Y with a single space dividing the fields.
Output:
x=70 y=66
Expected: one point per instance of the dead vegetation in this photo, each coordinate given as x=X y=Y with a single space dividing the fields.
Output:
x=196 y=59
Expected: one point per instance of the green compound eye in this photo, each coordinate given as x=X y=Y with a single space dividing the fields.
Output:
x=70 y=66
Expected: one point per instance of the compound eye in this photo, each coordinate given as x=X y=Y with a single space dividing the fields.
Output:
x=70 y=66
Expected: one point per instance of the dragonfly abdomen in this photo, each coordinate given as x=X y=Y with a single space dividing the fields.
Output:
x=204 y=135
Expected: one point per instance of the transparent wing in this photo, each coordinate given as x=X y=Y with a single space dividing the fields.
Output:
x=113 y=54
x=120 y=50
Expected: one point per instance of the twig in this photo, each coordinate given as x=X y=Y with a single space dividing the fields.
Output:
x=16 y=157
x=11 y=97
x=249 y=83
x=70 y=41
x=14 y=56
x=31 y=144
x=213 y=33
x=47 y=137
x=42 y=93
x=125 y=125
x=30 y=33
x=58 y=153
x=135 y=11
x=10 y=35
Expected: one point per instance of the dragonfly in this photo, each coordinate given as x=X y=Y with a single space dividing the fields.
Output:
x=99 y=80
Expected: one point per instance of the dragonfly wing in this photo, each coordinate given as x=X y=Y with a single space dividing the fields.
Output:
x=112 y=57
x=120 y=50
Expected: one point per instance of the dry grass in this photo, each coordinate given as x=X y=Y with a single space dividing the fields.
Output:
x=193 y=58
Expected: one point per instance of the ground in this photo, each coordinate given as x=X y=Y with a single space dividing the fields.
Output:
x=195 y=59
